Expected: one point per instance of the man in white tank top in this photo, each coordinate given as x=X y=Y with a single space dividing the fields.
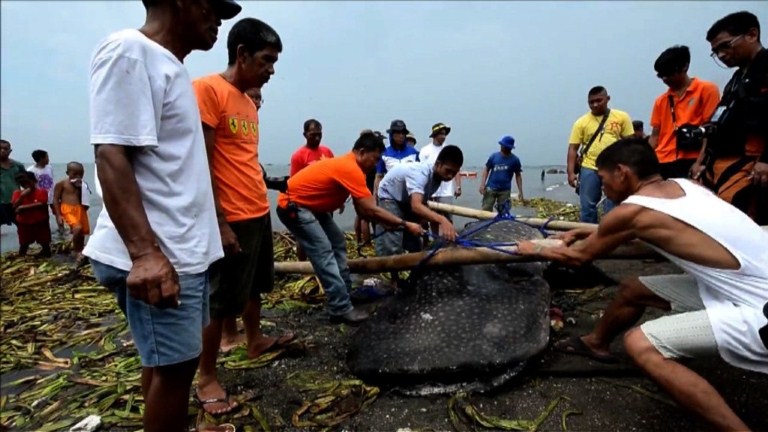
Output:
x=721 y=301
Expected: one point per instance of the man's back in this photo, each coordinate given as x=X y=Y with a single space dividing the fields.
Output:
x=326 y=184
x=669 y=216
x=142 y=97
x=406 y=179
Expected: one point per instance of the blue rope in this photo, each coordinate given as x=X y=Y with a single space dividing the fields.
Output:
x=463 y=240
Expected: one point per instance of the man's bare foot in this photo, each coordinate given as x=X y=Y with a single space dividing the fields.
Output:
x=214 y=399
x=265 y=344
x=228 y=344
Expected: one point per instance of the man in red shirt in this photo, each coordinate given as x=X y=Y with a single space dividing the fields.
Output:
x=31 y=206
x=312 y=151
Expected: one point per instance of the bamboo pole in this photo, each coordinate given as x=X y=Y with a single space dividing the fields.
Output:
x=453 y=256
x=484 y=215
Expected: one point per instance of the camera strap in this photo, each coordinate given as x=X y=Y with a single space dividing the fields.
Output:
x=671 y=100
x=599 y=130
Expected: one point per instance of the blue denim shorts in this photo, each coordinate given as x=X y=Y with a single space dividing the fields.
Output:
x=162 y=336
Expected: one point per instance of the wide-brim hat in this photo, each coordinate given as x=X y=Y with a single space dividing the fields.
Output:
x=398 y=126
x=410 y=136
x=226 y=9
x=507 y=141
x=437 y=127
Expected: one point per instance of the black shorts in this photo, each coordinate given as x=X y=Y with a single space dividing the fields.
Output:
x=7 y=214
x=238 y=278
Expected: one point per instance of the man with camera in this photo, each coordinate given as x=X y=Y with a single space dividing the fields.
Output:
x=688 y=102
x=734 y=161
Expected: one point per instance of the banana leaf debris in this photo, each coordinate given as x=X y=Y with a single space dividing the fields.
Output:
x=67 y=354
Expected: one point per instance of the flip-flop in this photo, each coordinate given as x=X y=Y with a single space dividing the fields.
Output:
x=224 y=427
x=574 y=345
x=279 y=342
x=223 y=400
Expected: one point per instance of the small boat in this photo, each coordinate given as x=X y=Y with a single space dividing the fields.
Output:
x=469 y=174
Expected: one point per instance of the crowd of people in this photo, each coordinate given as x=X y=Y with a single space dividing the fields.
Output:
x=29 y=196
x=185 y=238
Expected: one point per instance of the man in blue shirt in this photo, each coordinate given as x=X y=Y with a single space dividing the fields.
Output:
x=398 y=152
x=497 y=176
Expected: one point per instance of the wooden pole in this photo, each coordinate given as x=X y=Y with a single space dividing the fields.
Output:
x=485 y=215
x=453 y=256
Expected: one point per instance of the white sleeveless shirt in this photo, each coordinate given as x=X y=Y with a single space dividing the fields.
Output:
x=734 y=299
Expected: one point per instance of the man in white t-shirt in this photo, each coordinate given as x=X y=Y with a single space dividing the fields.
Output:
x=448 y=190
x=157 y=233
x=720 y=303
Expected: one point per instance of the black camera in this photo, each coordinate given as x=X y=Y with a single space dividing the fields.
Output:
x=691 y=137
x=279 y=184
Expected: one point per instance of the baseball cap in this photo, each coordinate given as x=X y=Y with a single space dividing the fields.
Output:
x=226 y=9
x=507 y=141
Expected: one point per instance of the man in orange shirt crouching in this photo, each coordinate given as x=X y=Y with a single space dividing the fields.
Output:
x=306 y=208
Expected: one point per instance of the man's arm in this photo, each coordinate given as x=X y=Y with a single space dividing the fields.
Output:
x=627 y=129
x=457 y=185
x=519 y=181
x=228 y=238
x=483 y=181
x=573 y=153
x=58 y=191
x=616 y=229
x=376 y=182
x=653 y=140
x=367 y=209
x=123 y=200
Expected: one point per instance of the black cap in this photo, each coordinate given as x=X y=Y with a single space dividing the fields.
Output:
x=226 y=9
x=397 y=126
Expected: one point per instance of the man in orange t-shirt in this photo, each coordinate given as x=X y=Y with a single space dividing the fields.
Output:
x=688 y=101
x=305 y=209
x=231 y=130
x=312 y=151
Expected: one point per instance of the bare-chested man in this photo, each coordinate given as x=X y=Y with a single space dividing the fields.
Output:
x=68 y=207
x=720 y=302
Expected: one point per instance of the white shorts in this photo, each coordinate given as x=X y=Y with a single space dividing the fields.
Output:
x=686 y=333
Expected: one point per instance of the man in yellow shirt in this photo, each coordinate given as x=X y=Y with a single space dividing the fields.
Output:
x=591 y=134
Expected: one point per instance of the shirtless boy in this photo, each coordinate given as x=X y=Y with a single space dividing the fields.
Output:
x=69 y=208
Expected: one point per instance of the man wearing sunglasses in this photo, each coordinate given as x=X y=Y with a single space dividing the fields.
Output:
x=687 y=101
x=734 y=162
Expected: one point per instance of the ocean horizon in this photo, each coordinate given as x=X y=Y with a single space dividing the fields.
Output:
x=553 y=187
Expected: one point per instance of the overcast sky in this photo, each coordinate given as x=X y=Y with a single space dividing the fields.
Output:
x=485 y=68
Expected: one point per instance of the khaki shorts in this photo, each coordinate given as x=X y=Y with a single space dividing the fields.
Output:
x=688 y=331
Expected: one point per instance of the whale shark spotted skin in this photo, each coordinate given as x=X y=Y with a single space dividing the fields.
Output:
x=461 y=327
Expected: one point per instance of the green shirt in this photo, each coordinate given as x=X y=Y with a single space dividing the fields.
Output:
x=8 y=181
